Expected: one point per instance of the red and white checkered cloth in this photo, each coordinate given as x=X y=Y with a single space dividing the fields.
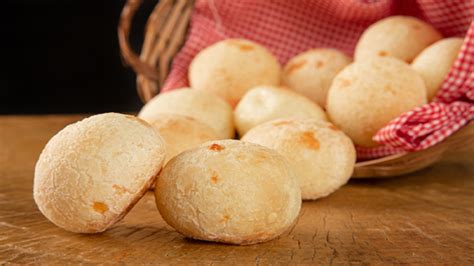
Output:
x=287 y=28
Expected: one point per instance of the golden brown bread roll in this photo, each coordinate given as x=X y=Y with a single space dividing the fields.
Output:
x=92 y=172
x=311 y=73
x=229 y=191
x=265 y=103
x=202 y=106
x=401 y=37
x=366 y=95
x=231 y=67
x=434 y=63
x=181 y=133
x=321 y=155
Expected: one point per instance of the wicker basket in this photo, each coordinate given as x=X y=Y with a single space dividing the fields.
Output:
x=165 y=34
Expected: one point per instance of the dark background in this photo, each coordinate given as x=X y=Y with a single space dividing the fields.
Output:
x=62 y=56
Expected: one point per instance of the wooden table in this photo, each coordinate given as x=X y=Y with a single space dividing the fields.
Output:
x=426 y=217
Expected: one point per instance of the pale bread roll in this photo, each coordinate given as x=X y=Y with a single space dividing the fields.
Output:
x=231 y=67
x=265 y=103
x=321 y=155
x=92 y=172
x=199 y=105
x=311 y=73
x=434 y=63
x=366 y=95
x=229 y=191
x=401 y=37
x=181 y=133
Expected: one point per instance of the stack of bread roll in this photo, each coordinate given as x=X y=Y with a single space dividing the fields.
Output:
x=297 y=126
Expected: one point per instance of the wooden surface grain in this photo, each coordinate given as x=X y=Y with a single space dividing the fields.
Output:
x=423 y=218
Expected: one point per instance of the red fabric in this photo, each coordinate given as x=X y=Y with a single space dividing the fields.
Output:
x=423 y=127
x=287 y=28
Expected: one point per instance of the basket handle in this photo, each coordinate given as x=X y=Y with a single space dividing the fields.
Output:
x=129 y=56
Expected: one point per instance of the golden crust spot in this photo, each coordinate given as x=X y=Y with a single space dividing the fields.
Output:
x=261 y=157
x=246 y=47
x=319 y=64
x=225 y=218
x=333 y=127
x=205 y=135
x=389 y=89
x=216 y=147
x=382 y=53
x=416 y=26
x=233 y=102
x=120 y=189
x=214 y=179
x=100 y=207
x=189 y=118
x=294 y=66
x=308 y=139
x=141 y=121
x=242 y=45
x=281 y=123
x=345 y=82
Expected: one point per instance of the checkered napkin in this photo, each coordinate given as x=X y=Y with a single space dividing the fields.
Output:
x=287 y=28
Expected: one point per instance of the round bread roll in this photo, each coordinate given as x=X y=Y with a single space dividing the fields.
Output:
x=311 y=73
x=229 y=191
x=199 y=105
x=434 y=63
x=321 y=155
x=231 y=67
x=92 y=172
x=265 y=103
x=398 y=36
x=366 y=95
x=181 y=133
